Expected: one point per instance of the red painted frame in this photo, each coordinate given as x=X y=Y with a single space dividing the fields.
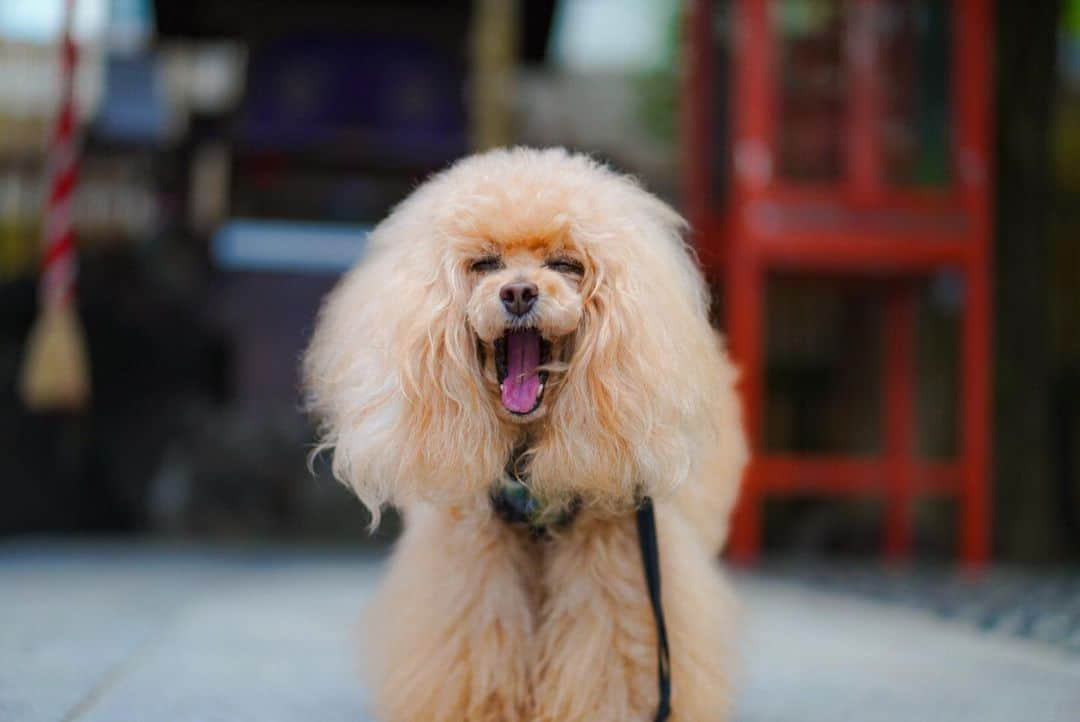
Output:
x=885 y=231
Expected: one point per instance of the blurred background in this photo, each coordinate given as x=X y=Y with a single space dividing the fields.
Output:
x=233 y=156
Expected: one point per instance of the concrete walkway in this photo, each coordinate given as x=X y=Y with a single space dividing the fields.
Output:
x=111 y=633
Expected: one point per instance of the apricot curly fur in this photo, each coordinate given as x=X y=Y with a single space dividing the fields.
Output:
x=476 y=621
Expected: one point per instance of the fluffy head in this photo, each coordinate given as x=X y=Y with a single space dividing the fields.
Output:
x=426 y=372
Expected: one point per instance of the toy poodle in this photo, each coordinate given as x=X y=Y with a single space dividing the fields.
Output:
x=522 y=359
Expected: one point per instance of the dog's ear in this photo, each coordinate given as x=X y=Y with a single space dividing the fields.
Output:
x=649 y=391
x=392 y=378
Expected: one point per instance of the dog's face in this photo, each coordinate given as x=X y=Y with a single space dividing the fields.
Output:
x=520 y=297
x=525 y=303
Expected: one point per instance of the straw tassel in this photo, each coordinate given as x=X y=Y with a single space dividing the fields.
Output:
x=56 y=372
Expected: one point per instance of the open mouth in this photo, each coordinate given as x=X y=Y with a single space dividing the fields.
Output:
x=518 y=358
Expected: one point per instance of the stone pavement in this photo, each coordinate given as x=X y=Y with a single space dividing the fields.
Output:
x=107 y=632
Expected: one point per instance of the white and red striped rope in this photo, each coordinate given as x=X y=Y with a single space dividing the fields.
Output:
x=59 y=261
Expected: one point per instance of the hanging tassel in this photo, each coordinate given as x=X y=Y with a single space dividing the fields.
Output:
x=55 y=374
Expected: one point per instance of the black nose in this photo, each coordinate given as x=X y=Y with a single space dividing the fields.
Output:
x=518 y=298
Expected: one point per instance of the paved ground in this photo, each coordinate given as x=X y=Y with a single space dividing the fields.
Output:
x=109 y=633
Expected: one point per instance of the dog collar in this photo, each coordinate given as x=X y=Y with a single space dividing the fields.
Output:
x=515 y=503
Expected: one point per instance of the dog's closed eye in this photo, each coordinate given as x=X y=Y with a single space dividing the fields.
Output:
x=565 y=265
x=486 y=264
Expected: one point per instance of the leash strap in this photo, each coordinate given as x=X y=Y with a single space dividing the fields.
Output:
x=650 y=559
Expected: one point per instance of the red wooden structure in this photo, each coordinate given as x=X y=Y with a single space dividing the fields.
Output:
x=860 y=221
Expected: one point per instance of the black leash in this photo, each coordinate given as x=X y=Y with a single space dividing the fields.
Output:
x=650 y=559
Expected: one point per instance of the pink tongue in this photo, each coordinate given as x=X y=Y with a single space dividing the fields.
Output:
x=522 y=384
